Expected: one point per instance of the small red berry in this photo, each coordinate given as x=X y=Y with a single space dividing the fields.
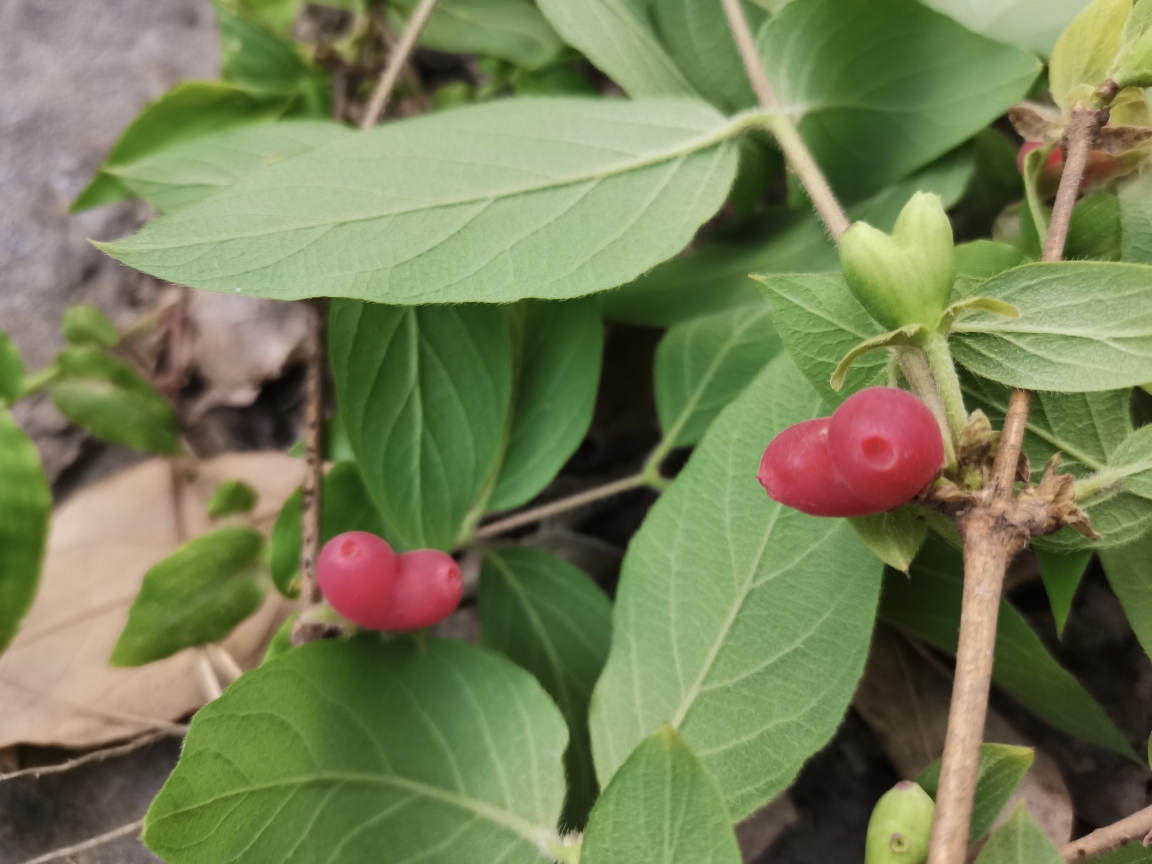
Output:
x=357 y=573
x=886 y=445
x=428 y=590
x=797 y=471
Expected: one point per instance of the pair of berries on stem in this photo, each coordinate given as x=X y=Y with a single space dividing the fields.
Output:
x=370 y=585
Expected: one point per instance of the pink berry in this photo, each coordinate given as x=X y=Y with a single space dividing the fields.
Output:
x=358 y=573
x=428 y=590
x=886 y=445
x=797 y=471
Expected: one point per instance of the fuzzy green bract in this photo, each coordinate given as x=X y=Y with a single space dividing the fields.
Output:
x=547 y=198
x=741 y=622
x=359 y=751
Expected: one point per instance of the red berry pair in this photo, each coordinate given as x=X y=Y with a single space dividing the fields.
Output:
x=876 y=452
x=370 y=585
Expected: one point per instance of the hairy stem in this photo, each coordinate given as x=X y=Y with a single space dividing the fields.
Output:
x=780 y=125
x=396 y=62
x=311 y=495
x=1138 y=826
x=944 y=372
x=918 y=374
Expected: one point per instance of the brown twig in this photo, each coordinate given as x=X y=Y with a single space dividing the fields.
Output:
x=994 y=529
x=799 y=158
x=123 y=830
x=1138 y=826
x=397 y=59
x=96 y=755
x=563 y=505
x=311 y=503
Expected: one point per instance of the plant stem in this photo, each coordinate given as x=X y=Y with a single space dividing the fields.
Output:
x=41 y=380
x=396 y=61
x=992 y=535
x=918 y=374
x=553 y=508
x=1138 y=826
x=311 y=495
x=68 y=851
x=97 y=755
x=781 y=125
x=935 y=347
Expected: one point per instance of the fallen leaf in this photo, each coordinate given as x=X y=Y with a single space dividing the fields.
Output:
x=56 y=686
x=237 y=343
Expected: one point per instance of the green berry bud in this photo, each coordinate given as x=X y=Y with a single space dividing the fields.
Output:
x=904 y=277
x=900 y=826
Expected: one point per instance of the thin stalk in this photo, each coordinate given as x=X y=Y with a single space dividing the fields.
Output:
x=311 y=493
x=935 y=347
x=41 y=379
x=918 y=374
x=69 y=851
x=396 y=62
x=563 y=505
x=1138 y=826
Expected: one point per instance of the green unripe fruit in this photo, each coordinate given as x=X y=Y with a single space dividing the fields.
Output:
x=900 y=826
x=904 y=277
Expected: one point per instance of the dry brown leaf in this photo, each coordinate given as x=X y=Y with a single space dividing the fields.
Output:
x=904 y=697
x=56 y=687
x=237 y=343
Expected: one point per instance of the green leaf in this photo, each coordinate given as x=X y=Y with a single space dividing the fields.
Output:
x=11 y=371
x=513 y=30
x=255 y=59
x=185 y=173
x=996 y=184
x=84 y=324
x=619 y=39
x=1135 y=196
x=194 y=596
x=557 y=351
x=548 y=617
x=983 y=259
x=1129 y=571
x=231 y=496
x=347 y=506
x=928 y=605
x=703 y=364
x=353 y=751
x=1016 y=22
x=1132 y=853
x=1084 y=326
x=109 y=399
x=464 y=205
x=715 y=277
x=894 y=536
x=741 y=622
x=1085 y=51
x=424 y=392
x=1019 y=841
x=25 y=508
x=662 y=807
x=1002 y=767
x=1061 y=572
x=335 y=443
x=281 y=642
x=820 y=322
x=697 y=37
x=1094 y=231
x=1085 y=427
x=846 y=64
x=186 y=112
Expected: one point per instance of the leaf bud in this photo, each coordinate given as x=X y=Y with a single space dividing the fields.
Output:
x=904 y=277
x=900 y=826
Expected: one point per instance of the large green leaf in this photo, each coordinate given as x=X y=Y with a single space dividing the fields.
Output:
x=108 y=398
x=618 y=37
x=780 y=240
x=928 y=604
x=183 y=174
x=741 y=622
x=1086 y=50
x=424 y=393
x=1084 y=326
x=847 y=66
x=513 y=30
x=11 y=371
x=548 y=617
x=548 y=198
x=25 y=508
x=662 y=807
x=1019 y=841
x=1135 y=196
x=819 y=321
x=194 y=596
x=1129 y=570
x=347 y=506
x=1001 y=769
x=186 y=112
x=354 y=751
x=254 y=58
x=1026 y=24
x=697 y=37
x=557 y=351
x=703 y=364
